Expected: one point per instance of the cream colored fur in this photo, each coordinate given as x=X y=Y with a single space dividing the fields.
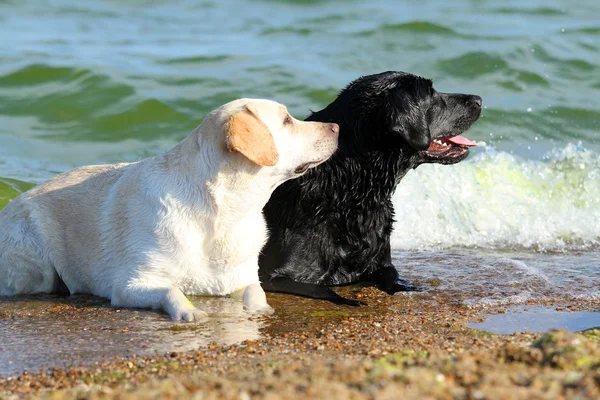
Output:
x=143 y=234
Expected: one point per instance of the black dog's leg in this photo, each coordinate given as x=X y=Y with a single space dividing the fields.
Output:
x=285 y=285
x=388 y=280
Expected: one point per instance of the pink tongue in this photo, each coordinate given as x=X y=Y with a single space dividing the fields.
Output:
x=460 y=141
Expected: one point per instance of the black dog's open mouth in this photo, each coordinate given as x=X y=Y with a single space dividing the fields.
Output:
x=448 y=150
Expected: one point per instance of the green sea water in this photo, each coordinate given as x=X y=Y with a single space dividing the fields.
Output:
x=87 y=82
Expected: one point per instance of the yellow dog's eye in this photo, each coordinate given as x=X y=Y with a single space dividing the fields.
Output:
x=287 y=120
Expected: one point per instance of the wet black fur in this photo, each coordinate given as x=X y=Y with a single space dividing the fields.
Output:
x=332 y=226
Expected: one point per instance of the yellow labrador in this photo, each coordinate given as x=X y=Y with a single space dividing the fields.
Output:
x=186 y=221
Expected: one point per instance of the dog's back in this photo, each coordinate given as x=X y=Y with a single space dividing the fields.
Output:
x=42 y=222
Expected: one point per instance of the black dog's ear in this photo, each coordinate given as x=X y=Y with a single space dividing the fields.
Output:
x=412 y=126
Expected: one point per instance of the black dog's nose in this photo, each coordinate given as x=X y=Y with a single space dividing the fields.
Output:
x=475 y=100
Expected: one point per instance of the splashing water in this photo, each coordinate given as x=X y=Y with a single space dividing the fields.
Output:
x=497 y=200
x=500 y=230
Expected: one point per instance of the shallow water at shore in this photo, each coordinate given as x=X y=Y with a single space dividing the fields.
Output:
x=503 y=277
x=415 y=346
x=539 y=319
x=48 y=331
x=51 y=331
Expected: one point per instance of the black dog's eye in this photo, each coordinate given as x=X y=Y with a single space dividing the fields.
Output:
x=287 y=120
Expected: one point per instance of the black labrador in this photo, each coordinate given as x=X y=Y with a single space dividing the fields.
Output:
x=332 y=226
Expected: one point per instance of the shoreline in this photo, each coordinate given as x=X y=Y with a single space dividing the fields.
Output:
x=405 y=345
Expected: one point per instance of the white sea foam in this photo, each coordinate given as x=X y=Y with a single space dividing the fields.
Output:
x=498 y=200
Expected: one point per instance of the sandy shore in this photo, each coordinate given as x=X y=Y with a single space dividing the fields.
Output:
x=406 y=346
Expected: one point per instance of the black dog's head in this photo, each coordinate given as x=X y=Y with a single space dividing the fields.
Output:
x=398 y=109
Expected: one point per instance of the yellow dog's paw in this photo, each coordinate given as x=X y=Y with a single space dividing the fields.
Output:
x=255 y=300
x=189 y=315
x=264 y=309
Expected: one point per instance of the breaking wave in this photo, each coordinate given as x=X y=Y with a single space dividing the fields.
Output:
x=498 y=200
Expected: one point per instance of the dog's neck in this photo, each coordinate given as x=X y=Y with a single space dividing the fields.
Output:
x=376 y=173
x=194 y=173
x=229 y=182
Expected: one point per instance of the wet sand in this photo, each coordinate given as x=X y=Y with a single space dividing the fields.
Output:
x=404 y=346
x=50 y=331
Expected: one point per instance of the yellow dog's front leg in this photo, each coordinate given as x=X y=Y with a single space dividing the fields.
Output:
x=255 y=300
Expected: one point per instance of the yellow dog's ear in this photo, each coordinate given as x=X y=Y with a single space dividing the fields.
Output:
x=250 y=136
